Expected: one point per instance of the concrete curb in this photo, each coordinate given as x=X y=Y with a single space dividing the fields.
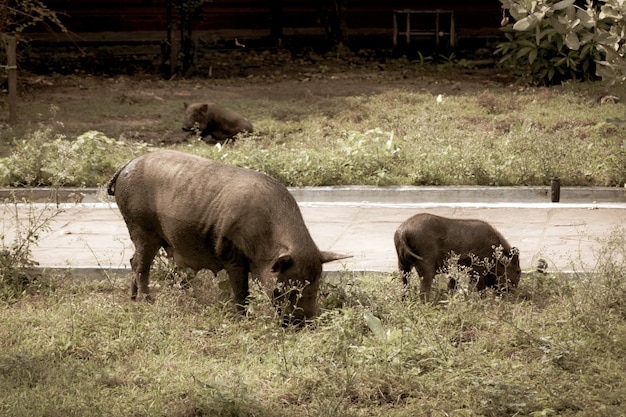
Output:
x=372 y=194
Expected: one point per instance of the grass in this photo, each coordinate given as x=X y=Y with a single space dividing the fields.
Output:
x=555 y=347
x=322 y=127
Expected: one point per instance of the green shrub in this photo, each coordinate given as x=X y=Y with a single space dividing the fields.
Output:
x=554 y=40
x=47 y=158
x=550 y=41
x=610 y=35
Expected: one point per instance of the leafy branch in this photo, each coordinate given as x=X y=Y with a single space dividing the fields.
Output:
x=17 y=15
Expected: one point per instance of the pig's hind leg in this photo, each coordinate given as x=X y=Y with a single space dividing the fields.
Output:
x=146 y=247
x=427 y=274
x=405 y=270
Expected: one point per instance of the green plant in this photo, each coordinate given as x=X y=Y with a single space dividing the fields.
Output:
x=47 y=158
x=23 y=225
x=550 y=41
x=368 y=155
x=611 y=38
x=423 y=60
x=448 y=61
x=556 y=40
x=165 y=270
x=605 y=286
x=356 y=158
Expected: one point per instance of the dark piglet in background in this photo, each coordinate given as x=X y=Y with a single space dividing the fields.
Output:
x=214 y=216
x=425 y=241
x=215 y=123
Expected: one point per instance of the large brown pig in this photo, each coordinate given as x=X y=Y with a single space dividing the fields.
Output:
x=215 y=123
x=214 y=216
x=425 y=241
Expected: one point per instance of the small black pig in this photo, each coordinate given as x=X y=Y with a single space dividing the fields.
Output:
x=215 y=123
x=425 y=241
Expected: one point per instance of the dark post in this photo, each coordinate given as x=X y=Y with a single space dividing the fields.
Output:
x=12 y=72
x=168 y=48
x=276 y=20
x=555 y=189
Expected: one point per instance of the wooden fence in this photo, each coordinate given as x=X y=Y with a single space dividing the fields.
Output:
x=100 y=20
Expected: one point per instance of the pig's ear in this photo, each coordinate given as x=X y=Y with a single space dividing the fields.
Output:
x=283 y=263
x=332 y=256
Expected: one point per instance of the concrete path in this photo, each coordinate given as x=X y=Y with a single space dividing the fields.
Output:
x=567 y=235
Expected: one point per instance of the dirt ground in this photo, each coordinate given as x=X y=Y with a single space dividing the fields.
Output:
x=84 y=102
x=282 y=64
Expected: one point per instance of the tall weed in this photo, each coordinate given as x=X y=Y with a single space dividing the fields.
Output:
x=22 y=228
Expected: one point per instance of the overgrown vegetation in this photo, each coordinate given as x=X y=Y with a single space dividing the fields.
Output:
x=556 y=347
x=48 y=158
x=501 y=136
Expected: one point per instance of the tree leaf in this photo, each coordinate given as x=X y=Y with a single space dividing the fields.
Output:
x=564 y=4
x=527 y=23
x=524 y=51
x=585 y=18
x=571 y=41
x=608 y=12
